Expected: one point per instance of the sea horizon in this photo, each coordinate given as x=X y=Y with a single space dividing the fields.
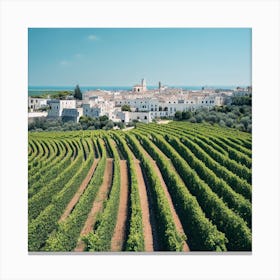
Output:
x=35 y=90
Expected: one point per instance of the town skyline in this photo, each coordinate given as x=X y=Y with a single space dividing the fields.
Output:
x=121 y=56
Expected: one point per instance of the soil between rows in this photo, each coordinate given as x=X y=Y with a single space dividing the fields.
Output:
x=120 y=228
x=176 y=219
x=148 y=236
x=80 y=191
x=97 y=204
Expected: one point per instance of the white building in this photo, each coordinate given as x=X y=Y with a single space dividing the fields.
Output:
x=57 y=106
x=32 y=116
x=92 y=94
x=97 y=107
x=166 y=106
x=145 y=105
x=73 y=114
x=126 y=117
x=36 y=103
x=242 y=91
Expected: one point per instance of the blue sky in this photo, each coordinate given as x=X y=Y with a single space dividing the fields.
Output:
x=122 y=56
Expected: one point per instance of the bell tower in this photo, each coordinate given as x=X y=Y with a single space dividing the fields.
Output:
x=143 y=84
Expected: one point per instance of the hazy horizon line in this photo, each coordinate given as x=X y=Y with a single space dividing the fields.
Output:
x=234 y=85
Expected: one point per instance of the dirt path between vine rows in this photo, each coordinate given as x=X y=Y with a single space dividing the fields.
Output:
x=119 y=232
x=148 y=235
x=80 y=191
x=97 y=204
x=176 y=219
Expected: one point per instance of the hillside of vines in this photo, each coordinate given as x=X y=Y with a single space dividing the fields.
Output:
x=159 y=187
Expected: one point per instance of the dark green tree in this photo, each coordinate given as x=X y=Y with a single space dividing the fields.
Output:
x=103 y=118
x=186 y=115
x=178 y=115
x=126 y=108
x=78 y=93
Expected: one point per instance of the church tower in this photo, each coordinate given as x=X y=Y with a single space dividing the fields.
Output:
x=143 y=84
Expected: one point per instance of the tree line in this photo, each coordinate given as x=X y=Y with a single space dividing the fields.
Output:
x=236 y=115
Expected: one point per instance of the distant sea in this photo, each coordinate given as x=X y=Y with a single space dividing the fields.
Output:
x=37 y=90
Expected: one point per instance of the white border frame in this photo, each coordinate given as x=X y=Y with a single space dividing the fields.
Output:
x=262 y=16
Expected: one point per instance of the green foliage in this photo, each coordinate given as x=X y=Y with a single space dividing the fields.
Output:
x=236 y=155
x=67 y=234
x=100 y=239
x=102 y=122
x=234 y=201
x=238 y=184
x=121 y=125
x=206 y=168
x=227 y=221
x=54 y=94
x=42 y=199
x=77 y=93
x=44 y=124
x=46 y=174
x=40 y=228
x=186 y=115
x=238 y=115
x=214 y=150
x=178 y=115
x=171 y=240
x=103 y=118
x=109 y=125
x=242 y=100
x=126 y=108
x=85 y=123
x=202 y=234
x=135 y=240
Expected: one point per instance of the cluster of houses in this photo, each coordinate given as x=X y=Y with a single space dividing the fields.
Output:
x=145 y=105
